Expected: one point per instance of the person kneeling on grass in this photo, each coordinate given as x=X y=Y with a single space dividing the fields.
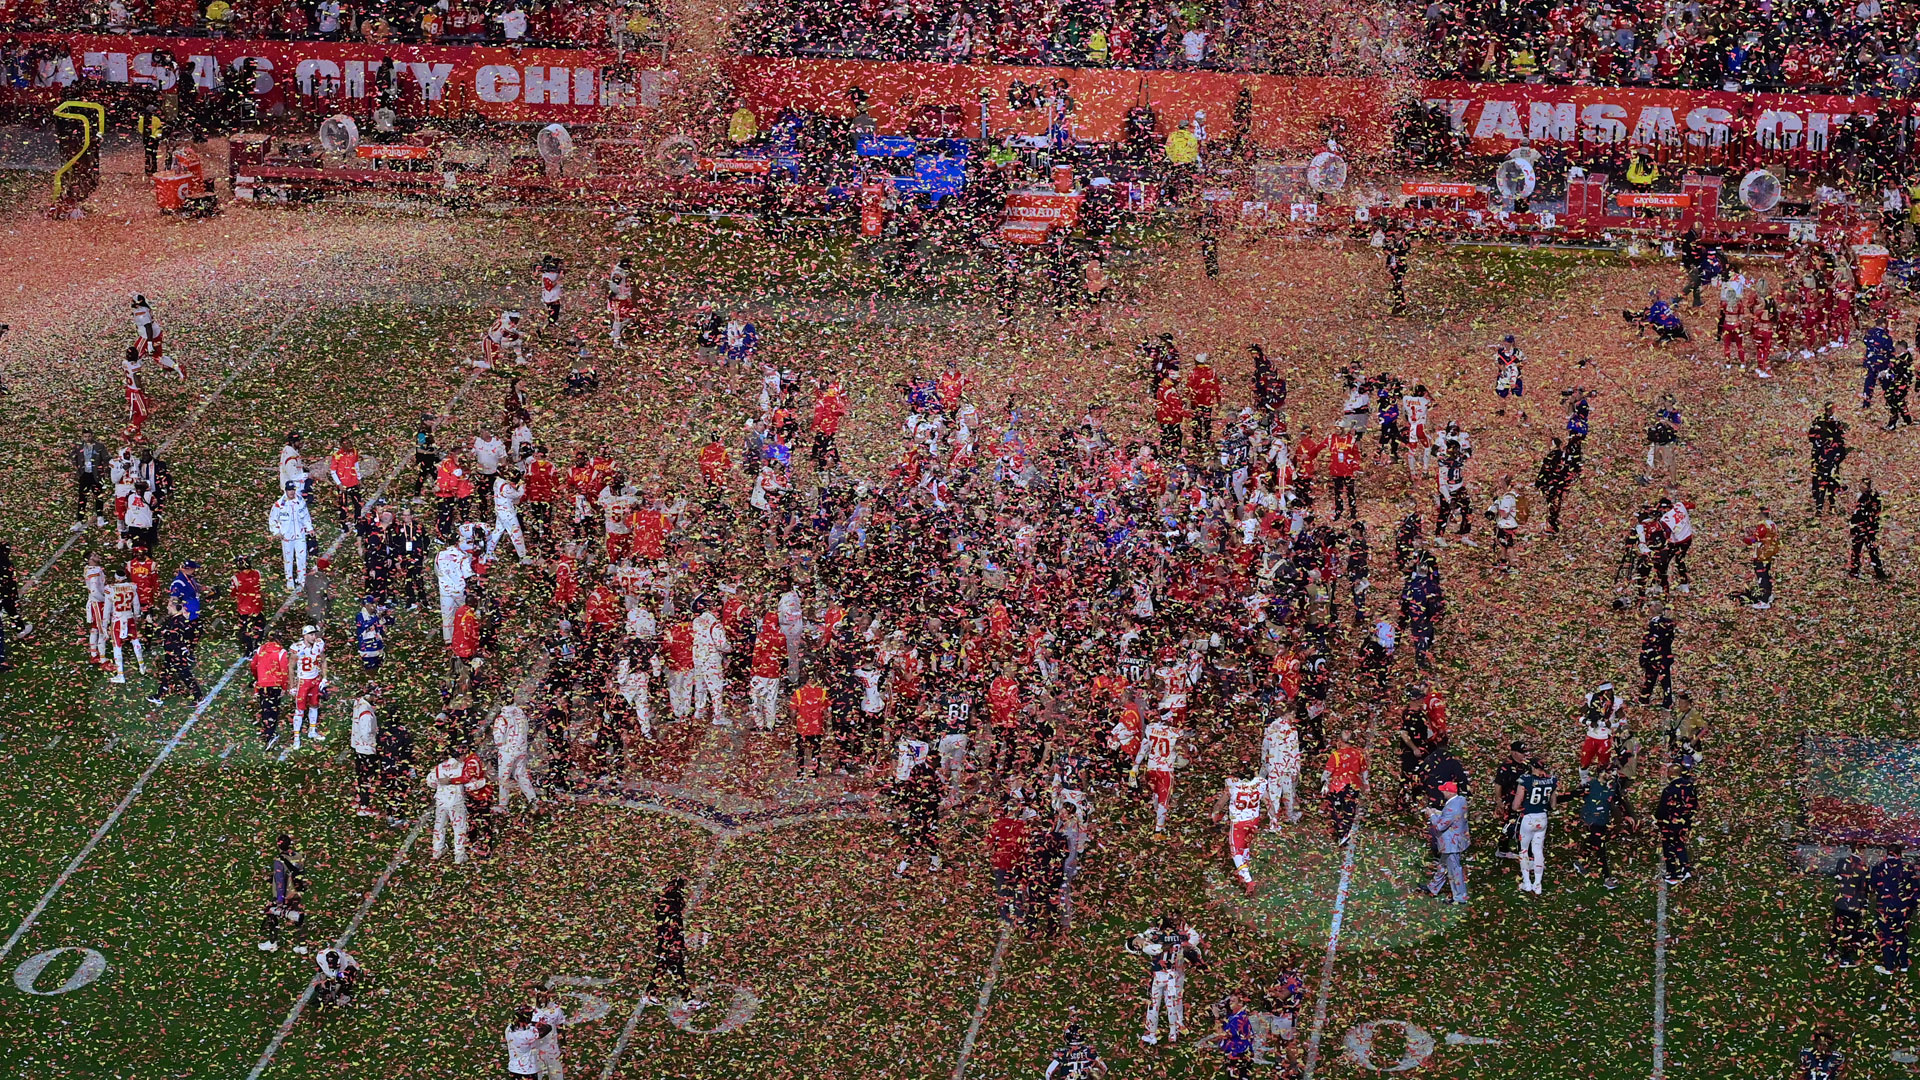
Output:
x=340 y=976
x=1661 y=315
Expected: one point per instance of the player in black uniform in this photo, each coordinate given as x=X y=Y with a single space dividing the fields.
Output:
x=1507 y=779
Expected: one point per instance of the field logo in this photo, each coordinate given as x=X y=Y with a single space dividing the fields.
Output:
x=27 y=975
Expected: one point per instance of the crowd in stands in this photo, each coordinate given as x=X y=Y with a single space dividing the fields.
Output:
x=1841 y=46
x=1328 y=37
x=623 y=24
x=1796 y=46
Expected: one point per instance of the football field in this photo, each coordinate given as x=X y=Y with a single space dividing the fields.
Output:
x=134 y=866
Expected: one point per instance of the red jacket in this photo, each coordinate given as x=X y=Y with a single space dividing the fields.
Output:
x=1303 y=454
x=828 y=411
x=1170 y=408
x=714 y=461
x=466 y=633
x=246 y=592
x=1343 y=456
x=1008 y=838
x=1203 y=386
x=810 y=710
x=270 y=665
x=769 y=649
x=679 y=646
x=543 y=481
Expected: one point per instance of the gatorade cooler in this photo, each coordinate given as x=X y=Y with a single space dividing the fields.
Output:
x=873 y=215
x=1063 y=179
x=171 y=190
x=1873 y=263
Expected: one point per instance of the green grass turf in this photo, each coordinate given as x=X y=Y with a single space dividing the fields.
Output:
x=855 y=975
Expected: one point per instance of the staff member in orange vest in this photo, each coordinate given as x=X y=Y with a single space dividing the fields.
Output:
x=809 y=725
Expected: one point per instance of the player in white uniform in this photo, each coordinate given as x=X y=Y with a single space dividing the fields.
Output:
x=512 y=732
x=1239 y=806
x=96 y=578
x=449 y=807
x=453 y=566
x=709 y=682
x=1280 y=764
x=632 y=680
x=123 y=608
x=619 y=299
x=308 y=659
x=502 y=341
x=151 y=344
x=506 y=516
x=1158 y=754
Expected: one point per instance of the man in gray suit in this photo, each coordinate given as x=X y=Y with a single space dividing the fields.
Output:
x=1448 y=824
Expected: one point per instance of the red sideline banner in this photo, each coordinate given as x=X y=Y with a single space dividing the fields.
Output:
x=493 y=82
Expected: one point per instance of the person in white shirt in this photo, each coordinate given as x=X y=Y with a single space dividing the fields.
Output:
x=551 y=1015
x=290 y=522
x=1280 y=763
x=873 y=702
x=450 y=808
x=911 y=753
x=513 y=23
x=791 y=616
x=292 y=469
x=511 y=734
x=619 y=293
x=364 y=739
x=709 y=649
x=633 y=680
x=506 y=516
x=488 y=452
x=1505 y=513
x=523 y=1035
x=1677 y=515
x=340 y=975
x=453 y=566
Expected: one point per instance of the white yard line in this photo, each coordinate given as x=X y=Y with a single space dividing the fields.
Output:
x=346 y=938
x=1660 y=978
x=986 y=999
x=192 y=421
x=172 y=744
x=693 y=903
x=1339 y=916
